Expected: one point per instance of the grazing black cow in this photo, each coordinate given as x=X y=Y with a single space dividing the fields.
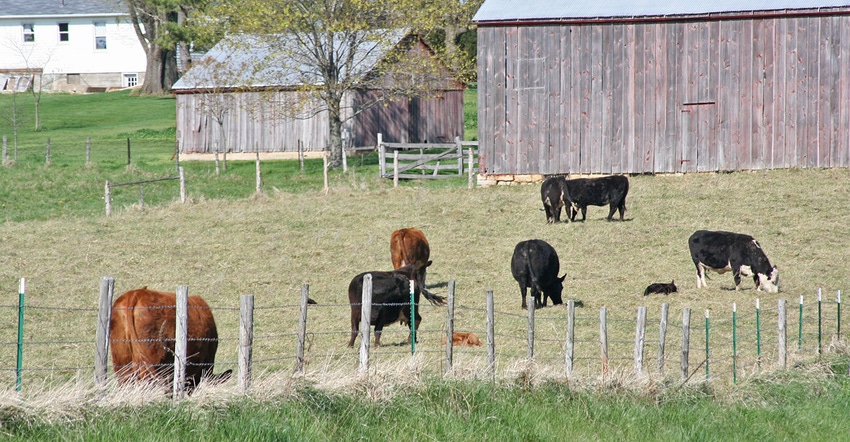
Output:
x=662 y=288
x=535 y=264
x=554 y=194
x=725 y=251
x=390 y=299
x=611 y=190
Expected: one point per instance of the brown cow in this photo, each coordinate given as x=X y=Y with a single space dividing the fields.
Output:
x=142 y=338
x=409 y=247
x=467 y=339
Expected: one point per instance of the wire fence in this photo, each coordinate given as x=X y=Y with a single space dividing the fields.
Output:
x=58 y=343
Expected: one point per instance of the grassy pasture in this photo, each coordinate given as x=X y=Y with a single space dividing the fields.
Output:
x=270 y=245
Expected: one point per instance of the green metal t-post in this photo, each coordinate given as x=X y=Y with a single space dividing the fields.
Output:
x=412 y=320
x=19 y=364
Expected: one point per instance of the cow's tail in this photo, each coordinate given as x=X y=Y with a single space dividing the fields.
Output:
x=433 y=298
x=535 y=281
x=123 y=338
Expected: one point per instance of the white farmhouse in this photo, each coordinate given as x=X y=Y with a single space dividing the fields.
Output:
x=68 y=45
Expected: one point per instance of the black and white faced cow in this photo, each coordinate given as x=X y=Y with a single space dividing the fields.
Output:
x=725 y=251
x=554 y=194
x=535 y=264
x=611 y=190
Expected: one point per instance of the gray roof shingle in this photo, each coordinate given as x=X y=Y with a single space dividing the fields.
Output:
x=511 y=10
x=53 y=8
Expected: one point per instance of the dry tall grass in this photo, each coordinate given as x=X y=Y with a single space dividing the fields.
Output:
x=270 y=246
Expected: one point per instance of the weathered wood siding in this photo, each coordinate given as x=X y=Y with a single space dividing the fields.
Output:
x=252 y=124
x=665 y=96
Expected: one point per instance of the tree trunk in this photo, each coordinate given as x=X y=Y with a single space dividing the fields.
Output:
x=335 y=135
x=161 y=71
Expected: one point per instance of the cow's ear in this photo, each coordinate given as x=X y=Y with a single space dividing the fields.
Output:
x=561 y=279
x=427 y=264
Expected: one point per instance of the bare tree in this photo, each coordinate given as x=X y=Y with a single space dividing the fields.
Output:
x=332 y=47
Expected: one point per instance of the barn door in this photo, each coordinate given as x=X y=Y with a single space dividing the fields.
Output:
x=699 y=137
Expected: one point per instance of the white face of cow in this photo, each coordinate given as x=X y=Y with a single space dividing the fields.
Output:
x=770 y=283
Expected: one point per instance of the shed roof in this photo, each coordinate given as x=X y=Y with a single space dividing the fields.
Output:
x=514 y=10
x=264 y=61
x=61 y=8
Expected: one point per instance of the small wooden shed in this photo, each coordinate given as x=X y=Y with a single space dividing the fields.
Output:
x=249 y=111
x=657 y=86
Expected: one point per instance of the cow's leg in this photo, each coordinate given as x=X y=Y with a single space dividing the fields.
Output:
x=611 y=209
x=700 y=275
x=536 y=295
x=378 y=329
x=355 y=326
x=622 y=208
x=524 y=291
x=737 y=275
x=583 y=213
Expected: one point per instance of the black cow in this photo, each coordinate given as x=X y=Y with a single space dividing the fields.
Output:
x=535 y=264
x=611 y=190
x=554 y=194
x=390 y=299
x=725 y=251
x=662 y=288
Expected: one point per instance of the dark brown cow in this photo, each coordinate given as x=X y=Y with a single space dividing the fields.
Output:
x=142 y=337
x=409 y=247
x=390 y=300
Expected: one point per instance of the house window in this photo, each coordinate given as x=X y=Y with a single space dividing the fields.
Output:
x=130 y=80
x=29 y=32
x=63 y=32
x=100 y=35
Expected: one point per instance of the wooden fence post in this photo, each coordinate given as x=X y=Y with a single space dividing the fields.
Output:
x=246 y=341
x=382 y=155
x=325 y=170
x=259 y=177
x=459 y=156
x=603 y=339
x=365 y=314
x=180 y=338
x=640 y=338
x=47 y=156
x=5 y=151
x=471 y=153
x=783 y=343
x=104 y=313
x=88 y=151
x=302 y=329
x=450 y=327
x=301 y=154
x=107 y=197
x=491 y=335
x=571 y=336
x=182 y=185
x=395 y=168
x=662 y=336
x=532 y=306
x=686 y=338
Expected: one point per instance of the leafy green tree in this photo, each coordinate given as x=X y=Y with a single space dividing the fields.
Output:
x=329 y=41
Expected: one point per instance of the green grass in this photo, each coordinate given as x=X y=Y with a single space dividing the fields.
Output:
x=472 y=411
x=32 y=189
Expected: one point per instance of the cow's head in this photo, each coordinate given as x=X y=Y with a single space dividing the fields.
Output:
x=554 y=291
x=770 y=282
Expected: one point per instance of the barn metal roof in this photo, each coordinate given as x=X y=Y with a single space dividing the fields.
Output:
x=513 y=10
x=61 y=8
x=267 y=61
